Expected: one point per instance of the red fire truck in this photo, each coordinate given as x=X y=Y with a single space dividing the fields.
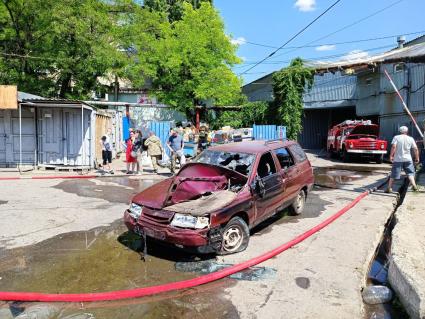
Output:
x=358 y=137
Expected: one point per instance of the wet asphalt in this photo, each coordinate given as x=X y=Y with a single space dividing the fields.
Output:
x=109 y=258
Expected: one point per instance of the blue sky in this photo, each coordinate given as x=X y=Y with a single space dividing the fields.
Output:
x=273 y=22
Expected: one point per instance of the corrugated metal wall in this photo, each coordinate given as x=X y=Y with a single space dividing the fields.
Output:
x=9 y=137
x=329 y=88
x=264 y=132
x=103 y=122
x=60 y=138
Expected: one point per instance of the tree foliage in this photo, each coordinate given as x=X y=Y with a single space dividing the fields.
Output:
x=57 y=47
x=288 y=87
x=173 y=9
x=250 y=113
x=191 y=60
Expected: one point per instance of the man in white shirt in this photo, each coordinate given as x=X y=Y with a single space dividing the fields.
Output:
x=401 y=157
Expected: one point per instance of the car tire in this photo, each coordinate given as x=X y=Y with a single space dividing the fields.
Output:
x=379 y=159
x=235 y=237
x=297 y=207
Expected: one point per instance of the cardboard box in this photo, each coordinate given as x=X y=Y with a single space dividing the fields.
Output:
x=8 y=97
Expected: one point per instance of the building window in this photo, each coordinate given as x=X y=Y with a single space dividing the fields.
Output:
x=399 y=67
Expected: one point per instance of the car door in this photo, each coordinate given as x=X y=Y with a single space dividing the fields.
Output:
x=289 y=172
x=267 y=195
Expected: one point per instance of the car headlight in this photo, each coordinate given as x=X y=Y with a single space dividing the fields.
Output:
x=189 y=221
x=350 y=145
x=135 y=210
x=382 y=146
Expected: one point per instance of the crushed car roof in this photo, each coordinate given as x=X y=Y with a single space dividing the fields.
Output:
x=251 y=147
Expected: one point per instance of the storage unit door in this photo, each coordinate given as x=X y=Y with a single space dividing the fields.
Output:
x=50 y=145
x=28 y=135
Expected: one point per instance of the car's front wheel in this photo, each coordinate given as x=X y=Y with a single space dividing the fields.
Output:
x=235 y=237
x=298 y=205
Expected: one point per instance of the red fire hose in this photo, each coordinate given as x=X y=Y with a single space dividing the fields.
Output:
x=147 y=291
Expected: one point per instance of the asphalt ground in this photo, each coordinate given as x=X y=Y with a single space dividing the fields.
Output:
x=67 y=236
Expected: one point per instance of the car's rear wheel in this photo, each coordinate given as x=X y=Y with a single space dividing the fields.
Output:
x=297 y=207
x=235 y=237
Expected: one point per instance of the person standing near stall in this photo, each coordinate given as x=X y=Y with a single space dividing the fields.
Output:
x=129 y=152
x=153 y=143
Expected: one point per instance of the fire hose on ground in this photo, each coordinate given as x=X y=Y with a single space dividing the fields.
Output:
x=174 y=286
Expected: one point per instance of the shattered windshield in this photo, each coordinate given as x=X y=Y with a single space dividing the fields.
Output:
x=238 y=162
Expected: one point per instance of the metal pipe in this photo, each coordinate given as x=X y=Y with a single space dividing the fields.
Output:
x=82 y=135
x=404 y=104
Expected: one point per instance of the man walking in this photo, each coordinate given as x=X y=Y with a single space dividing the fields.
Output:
x=401 y=157
x=153 y=143
x=175 y=144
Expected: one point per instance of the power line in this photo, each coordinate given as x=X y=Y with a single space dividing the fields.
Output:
x=347 y=26
x=323 y=57
x=338 y=43
x=293 y=37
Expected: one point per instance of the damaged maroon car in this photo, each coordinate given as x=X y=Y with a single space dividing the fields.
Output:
x=214 y=201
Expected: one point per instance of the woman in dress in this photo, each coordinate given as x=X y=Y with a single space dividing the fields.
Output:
x=128 y=152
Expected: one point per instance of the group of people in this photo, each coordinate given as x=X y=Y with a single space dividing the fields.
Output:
x=135 y=144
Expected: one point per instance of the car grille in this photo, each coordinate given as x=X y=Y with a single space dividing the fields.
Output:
x=366 y=145
x=157 y=216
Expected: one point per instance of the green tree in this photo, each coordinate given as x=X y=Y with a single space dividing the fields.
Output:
x=57 y=47
x=288 y=87
x=192 y=60
x=173 y=9
x=249 y=113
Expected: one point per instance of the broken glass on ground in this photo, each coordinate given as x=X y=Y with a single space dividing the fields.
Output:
x=210 y=266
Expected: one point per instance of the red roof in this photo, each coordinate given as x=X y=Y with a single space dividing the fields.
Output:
x=251 y=147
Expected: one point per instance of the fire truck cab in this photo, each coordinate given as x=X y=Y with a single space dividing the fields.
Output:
x=356 y=138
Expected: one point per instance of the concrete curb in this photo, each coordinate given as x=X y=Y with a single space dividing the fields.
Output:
x=406 y=272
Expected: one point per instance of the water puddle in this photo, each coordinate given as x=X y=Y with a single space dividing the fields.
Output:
x=334 y=177
x=112 y=189
x=106 y=259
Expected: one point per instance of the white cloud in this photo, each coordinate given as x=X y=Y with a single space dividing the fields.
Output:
x=326 y=47
x=355 y=55
x=243 y=58
x=305 y=5
x=238 y=41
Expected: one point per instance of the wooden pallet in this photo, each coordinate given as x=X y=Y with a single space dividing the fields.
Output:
x=58 y=168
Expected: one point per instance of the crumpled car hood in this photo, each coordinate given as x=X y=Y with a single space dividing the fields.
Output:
x=193 y=181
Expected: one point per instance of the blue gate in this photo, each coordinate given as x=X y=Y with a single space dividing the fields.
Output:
x=162 y=130
x=125 y=128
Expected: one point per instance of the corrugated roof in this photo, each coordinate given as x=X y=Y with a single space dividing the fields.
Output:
x=28 y=96
x=410 y=53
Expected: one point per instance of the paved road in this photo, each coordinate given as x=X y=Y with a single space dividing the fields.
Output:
x=319 y=278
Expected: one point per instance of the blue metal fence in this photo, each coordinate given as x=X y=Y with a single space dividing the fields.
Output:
x=268 y=132
x=162 y=130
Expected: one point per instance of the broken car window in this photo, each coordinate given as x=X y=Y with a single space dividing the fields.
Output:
x=285 y=159
x=266 y=166
x=239 y=162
